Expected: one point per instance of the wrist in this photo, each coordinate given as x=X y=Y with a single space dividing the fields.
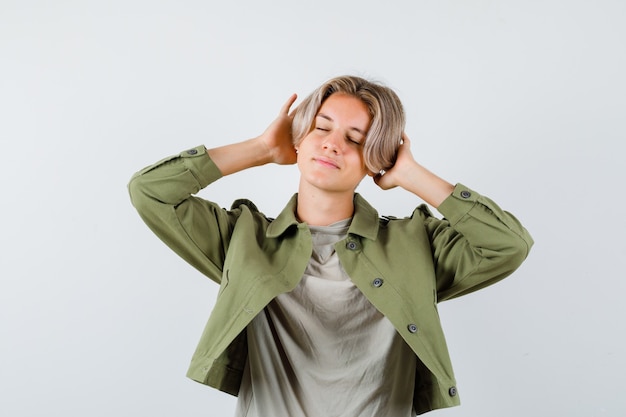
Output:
x=261 y=150
x=426 y=185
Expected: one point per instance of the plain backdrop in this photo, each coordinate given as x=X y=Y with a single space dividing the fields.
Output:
x=524 y=101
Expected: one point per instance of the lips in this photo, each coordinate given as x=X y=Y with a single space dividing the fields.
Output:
x=327 y=162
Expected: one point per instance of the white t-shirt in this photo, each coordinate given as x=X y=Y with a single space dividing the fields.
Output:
x=323 y=350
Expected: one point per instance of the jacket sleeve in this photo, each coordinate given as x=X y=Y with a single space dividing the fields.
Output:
x=476 y=243
x=197 y=230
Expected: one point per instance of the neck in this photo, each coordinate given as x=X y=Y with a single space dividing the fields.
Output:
x=324 y=208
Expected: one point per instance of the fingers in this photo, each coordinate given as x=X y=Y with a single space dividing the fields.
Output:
x=383 y=181
x=285 y=109
x=404 y=150
x=376 y=178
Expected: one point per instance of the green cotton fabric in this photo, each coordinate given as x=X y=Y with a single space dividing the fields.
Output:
x=403 y=266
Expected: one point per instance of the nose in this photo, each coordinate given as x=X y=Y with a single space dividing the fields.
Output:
x=332 y=142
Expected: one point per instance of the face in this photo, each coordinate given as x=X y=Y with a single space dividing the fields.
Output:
x=330 y=157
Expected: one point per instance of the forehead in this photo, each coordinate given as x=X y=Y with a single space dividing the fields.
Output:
x=345 y=109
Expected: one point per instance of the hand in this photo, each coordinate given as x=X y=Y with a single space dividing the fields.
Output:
x=413 y=177
x=277 y=137
x=398 y=173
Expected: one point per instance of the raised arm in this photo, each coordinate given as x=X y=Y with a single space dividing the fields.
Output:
x=196 y=229
x=476 y=244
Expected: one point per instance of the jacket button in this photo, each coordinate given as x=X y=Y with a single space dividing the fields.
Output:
x=452 y=391
x=466 y=194
x=378 y=282
x=192 y=151
x=352 y=245
x=412 y=328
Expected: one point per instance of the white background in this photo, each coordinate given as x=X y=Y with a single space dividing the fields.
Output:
x=523 y=101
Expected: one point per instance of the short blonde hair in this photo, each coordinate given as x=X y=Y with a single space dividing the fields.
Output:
x=388 y=120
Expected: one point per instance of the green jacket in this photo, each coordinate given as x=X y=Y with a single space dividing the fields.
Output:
x=403 y=266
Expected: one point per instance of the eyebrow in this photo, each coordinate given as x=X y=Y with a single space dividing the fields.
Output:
x=330 y=119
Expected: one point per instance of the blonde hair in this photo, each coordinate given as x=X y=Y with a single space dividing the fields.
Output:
x=385 y=133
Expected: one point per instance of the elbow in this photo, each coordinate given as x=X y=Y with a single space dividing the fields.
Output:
x=134 y=189
x=504 y=260
x=524 y=243
x=513 y=257
x=137 y=193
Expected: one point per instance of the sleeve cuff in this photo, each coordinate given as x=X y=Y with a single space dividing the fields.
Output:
x=458 y=204
x=198 y=161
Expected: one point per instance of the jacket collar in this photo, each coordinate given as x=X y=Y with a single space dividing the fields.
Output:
x=364 y=222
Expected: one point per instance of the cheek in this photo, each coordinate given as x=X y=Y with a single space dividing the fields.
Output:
x=305 y=142
x=357 y=161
